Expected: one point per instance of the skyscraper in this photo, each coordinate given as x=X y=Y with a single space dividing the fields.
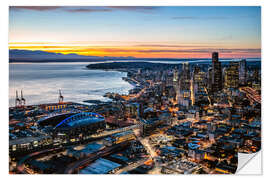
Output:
x=232 y=75
x=209 y=78
x=216 y=84
x=184 y=89
x=243 y=72
x=176 y=83
x=175 y=75
x=185 y=77
x=199 y=78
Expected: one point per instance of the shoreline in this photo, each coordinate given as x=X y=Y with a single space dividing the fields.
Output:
x=123 y=88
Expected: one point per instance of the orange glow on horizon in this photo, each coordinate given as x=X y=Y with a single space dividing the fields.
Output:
x=138 y=51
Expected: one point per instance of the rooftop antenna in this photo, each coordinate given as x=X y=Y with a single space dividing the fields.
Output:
x=17 y=100
x=60 y=98
x=22 y=99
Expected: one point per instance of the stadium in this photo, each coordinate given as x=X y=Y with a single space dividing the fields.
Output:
x=73 y=123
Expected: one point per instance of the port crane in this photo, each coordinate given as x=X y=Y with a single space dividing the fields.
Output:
x=17 y=100
x=61 y=97
x=22 y=99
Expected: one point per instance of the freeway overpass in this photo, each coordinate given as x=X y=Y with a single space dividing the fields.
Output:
x=108 y=133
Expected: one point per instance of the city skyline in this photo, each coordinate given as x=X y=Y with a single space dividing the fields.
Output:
x=137 y=31
x=187 y=118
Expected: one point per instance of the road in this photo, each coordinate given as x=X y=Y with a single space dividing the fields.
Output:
x=145 y=143
x=156 y=170
x=107 y=133
x=21 y=167
x=138 y=94
x=131 y=166
x=208 y=97
x=151 y=151
x=251 y=94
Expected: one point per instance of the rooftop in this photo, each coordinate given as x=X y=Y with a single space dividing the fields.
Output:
x=100 y=166
x=27 y=140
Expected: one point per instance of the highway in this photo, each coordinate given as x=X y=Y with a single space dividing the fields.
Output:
x=107 y=133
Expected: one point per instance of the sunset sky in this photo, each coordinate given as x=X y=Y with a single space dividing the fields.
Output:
x=162 y=32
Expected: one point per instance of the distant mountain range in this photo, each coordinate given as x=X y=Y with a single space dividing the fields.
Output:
x=16 y=55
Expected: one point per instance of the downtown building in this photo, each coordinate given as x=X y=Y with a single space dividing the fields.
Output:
x=243 y=72
x=185 y=77
x=198 y=85
x=199 y=79
x=232 y=75
x=183 y=94
x=215 y=74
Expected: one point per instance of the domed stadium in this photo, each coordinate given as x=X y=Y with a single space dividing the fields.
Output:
x=73 y=123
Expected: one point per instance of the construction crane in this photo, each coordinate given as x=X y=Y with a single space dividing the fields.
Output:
x=22 y=99
x=17 y=100
x=60 y=98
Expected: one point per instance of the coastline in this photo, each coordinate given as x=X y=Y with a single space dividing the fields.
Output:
x=92 y=85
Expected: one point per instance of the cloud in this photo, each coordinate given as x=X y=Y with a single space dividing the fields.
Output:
x=134 y=8
x=87 y=9
x=111 y=8
x=201 y=51
x=35 y=8
x=171 y=46
x=140 y=49
x=25 y=53
x=154 y=51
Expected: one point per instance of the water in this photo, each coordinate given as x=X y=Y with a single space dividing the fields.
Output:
x=41 y=82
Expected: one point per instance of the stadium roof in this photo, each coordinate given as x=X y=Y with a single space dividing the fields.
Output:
x=80 y=119
x=65 y=120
